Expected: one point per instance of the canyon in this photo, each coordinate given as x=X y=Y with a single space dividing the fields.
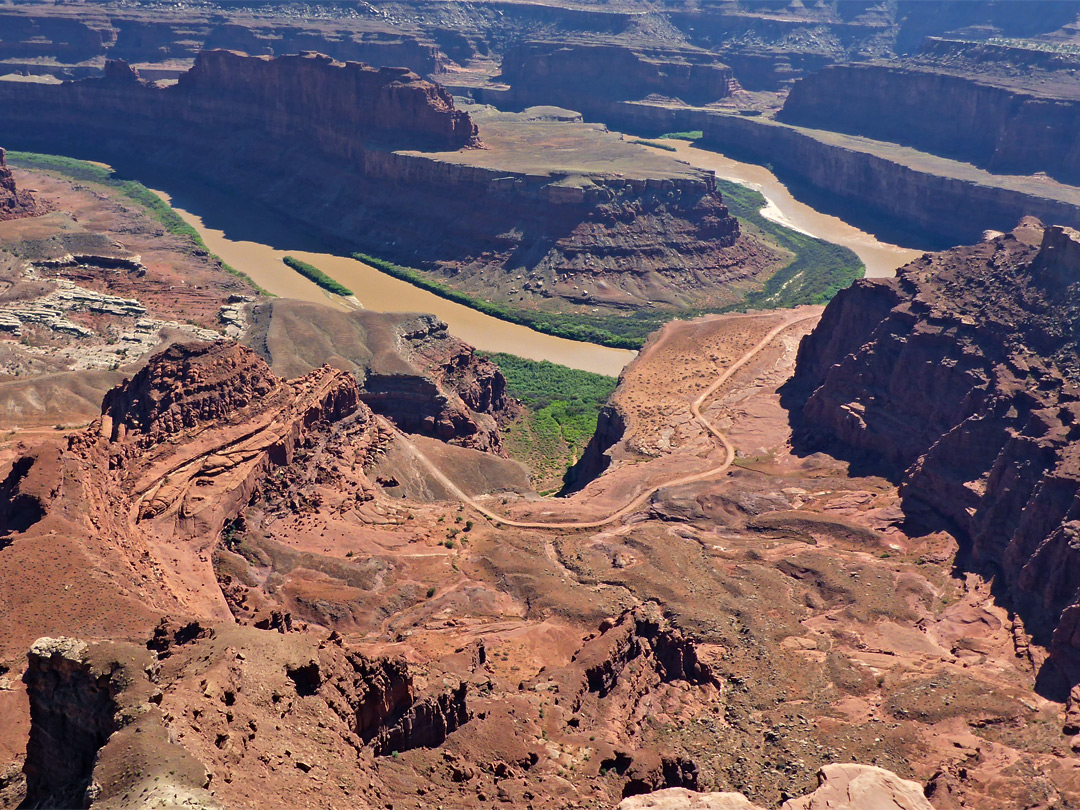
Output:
x=538 y=214
x=1009 y=110
x=266 y=542
x=734 y=70
x=242 y=543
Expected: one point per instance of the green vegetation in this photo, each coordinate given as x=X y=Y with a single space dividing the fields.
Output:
x=87 y=172
x=654 y=144
x=313 y=273
x=562 y=405
x=619 y=331
x=819 y=271
x=689 y=135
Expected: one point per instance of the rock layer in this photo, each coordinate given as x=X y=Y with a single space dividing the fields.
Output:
x=964 y=372
x=584 y=75
x=179 y=452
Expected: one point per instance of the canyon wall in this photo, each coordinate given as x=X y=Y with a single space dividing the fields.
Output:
x=95 y=719
x=15 y=202
x=334 y=107
x=963 y=372
x=581 y=75
x=1007 y=126
x=879 y=185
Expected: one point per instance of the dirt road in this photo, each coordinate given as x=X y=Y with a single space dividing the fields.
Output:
x=695 y=408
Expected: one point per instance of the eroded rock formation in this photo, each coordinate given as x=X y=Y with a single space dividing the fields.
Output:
x=409 y=368
x=14 y=203
x=178 y=453
x=842 y=787
x=96 y=718
x=963 y=371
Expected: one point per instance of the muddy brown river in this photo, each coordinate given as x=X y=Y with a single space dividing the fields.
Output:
x=255 y=244
x=881 y=258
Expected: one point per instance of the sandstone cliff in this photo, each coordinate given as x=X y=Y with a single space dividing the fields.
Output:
x=335 y=106
x=582 y=75
x=963 y=371
x=882 y=186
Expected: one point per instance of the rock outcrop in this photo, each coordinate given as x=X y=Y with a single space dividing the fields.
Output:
x=861 y=787
x=683 y=799
x=15 y=203
x=104 y=733
x=95 y=719
x=337 y=107
x=963 y=371
x=180 y=450
x=633 y=654
x=841 y=787
x=409 y=368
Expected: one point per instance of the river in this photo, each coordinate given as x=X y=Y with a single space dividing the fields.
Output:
x=215 y=216
x=254 y=242
x=881 y=258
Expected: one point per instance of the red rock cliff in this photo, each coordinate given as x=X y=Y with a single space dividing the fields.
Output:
x=311 y=97
x=13 y=202
x=347 y=150
x=964 y=371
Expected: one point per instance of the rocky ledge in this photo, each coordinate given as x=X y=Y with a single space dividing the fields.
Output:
x=963 y=374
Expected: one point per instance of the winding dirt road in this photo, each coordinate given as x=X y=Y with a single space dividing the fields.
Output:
x=695 y=409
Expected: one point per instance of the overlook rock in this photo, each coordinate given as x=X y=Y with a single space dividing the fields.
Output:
x=963 y=372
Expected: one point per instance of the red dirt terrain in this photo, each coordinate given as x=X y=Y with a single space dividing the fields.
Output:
x=250 y=589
